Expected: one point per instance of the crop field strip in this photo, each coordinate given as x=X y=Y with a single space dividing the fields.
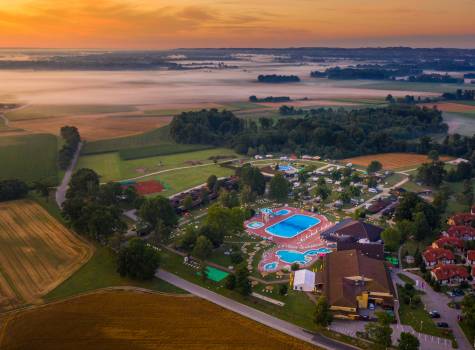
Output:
x=150 y=321
x=392 y=161
x=36 y=251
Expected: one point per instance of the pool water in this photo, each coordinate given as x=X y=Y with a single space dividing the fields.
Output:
x=282 y=212
x=301 y=258
x=270 y=266
x=286 y=168
x=292 y=226
x=255 y=225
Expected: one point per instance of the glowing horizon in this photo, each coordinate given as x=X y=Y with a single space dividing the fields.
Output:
x=162 y=24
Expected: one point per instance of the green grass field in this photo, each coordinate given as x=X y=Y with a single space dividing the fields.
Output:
x=100 y=272
x=111 y=167
x=159 y=136
x=29 y=158
x=161 y=150
x=408 y=86
x=48 y=111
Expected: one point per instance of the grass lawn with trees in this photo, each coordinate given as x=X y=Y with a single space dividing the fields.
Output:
x=100 y=272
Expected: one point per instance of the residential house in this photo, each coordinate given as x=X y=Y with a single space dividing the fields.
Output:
x=465 y=233
x=470 y=258
x=461 y=219
x=450 y=274
x=354 y=283
x=447 y=242
x=437 y=256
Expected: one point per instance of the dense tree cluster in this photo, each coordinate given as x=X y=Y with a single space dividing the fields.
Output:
x=459 y=95
x=138 y=260
x=71 y=137
x=290 y=110
x=370 y=72
x=94 y=209
x=211 y=127
x=434 y=78
x=274 y=99
x=327 y=132
x=12 y=189
x=276 y=78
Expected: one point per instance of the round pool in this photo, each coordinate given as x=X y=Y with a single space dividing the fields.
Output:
x=254 y=225
x=282 y=212
x=270 y=266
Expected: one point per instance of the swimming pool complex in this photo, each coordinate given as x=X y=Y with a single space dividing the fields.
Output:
x=282 y=212
x=292 y=226
x=255 y=225
x=302 y=258
x=286 y=168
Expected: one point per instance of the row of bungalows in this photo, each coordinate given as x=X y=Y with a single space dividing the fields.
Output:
x=441 y=256
x=202 y=193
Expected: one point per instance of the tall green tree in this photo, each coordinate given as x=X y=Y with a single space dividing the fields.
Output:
x=323 y=316
x=380 y=331
x=407 y=341
x=243 y=285
x=279 y=188
x=374 y=166
x=391 y=238
x=158 y=209
x=203 y=248
x=138 y=260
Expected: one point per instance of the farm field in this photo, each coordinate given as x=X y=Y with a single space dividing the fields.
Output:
x=460 y=123
x=111 y=167
x=37 y=253
x=418 y=88
x=392 y=161
x=29 y=157
x=118 y=327
x=452 y=107
x=95 y=126
x=51 y=111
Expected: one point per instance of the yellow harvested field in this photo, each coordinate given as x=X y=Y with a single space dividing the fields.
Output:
x=37 y=253
x=124 y=320
x=391 y=161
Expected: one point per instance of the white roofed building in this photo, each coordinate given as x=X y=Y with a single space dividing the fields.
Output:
x=304 y=280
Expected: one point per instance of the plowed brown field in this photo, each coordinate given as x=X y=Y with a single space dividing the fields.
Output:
x=36 y=253
x=391 y=161
x=129 y=320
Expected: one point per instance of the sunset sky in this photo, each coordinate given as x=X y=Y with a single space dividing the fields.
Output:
x=157 y=24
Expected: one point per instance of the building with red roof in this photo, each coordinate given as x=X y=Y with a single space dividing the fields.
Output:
x=465 y=233
x=437 y=256
x=471 y=257
x=461 y=219
x=450 y=274
x=447 y=241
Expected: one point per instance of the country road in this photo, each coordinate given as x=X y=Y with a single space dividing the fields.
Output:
x=256 y=315
x=63 y=187
x=6 y=122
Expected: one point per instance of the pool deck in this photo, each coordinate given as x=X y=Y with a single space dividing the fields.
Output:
x=305 y=240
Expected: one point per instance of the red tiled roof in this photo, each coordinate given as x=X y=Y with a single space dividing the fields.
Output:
x=445 y=272
x=459 y=231
x=471 y=255
x=451 y=241
x=435 y=254
x=462 y=218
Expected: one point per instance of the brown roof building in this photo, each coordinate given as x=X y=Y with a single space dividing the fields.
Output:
x=353 y=230
x=351 y=281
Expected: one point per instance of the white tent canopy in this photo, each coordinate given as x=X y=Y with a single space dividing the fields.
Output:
x=304 y=280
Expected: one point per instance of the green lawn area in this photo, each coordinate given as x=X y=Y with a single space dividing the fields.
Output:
x=419 y=319
x=111 y=167
x=413 y=187
x=298 y=308
x=100 y=272
x=394 y=179
x=29 y=158
x=180 y=180
x=469 y=332
x=49 y=111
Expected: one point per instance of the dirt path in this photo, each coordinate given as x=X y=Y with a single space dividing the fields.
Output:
x=63 y=187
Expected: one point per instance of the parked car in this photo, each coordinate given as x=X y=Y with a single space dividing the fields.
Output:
x=442 y=324
x=434 y=314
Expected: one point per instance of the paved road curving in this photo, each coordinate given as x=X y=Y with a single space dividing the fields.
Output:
x=256 y=315
x=63 y=187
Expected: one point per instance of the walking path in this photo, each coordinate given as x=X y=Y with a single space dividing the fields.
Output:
x=438 y=301
x=63 y=187
x=5 y=119
x=256 y=315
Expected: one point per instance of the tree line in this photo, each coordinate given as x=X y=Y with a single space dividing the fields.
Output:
x=333 y=133
x=71 y=137
x=276 y=78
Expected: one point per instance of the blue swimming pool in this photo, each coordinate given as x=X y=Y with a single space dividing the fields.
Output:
x=286 y=168
x=255 y=225
x=293 y=256
x=270 y=266
x=292 y=226
x=282 y=212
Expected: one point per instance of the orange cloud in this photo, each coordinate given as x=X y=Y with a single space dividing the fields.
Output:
x=182 y=23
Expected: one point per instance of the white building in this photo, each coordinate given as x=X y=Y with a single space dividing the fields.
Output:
x=304 y=280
